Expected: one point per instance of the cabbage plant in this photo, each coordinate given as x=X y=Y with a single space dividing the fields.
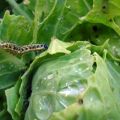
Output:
x=77 y=77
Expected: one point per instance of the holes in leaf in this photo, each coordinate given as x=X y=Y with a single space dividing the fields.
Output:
x=71 y=36
x=96 y=36
x=80 y=101
x=19 y=1
x=94 y=67
x=105 y=6
x=95 y=28
x=76 y=117
x=110 y=20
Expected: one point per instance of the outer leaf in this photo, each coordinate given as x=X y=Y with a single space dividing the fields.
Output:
x=46 y=56
x=105 y=12
x=12 y=99
x=98 y=101
x=114 y=74
x=10 y=69
x=57 y=46
x=4 y=115
x=56 y=88
x=63 y=18
x=21 y=10
x=97 y=34
x=56 y=18
x=15 y=29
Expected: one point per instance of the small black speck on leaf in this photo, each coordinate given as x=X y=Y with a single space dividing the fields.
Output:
x=80 y=101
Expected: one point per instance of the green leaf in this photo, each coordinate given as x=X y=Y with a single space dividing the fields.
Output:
x=15 y=29
x=105 y=12
x=98 y=101
x=114 y=74
x=63 y=17
x=10 y=69
x=56 y=88
x=12 y=94
x=44 y=57
x=4 y=115
x=68 y=81
x=57 y=46
x=97 y=34
x=21 y=10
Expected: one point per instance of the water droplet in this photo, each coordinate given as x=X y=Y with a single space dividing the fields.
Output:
x=40 y=108
x=45 y=78
x=81 y=58
x=44 y=108
x=49 y=84
x=76 y=71
x=72 y=91
x=91 y=99
x=79 y=70
x=50 y=76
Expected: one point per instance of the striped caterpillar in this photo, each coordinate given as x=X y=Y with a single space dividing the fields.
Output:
x=22 y=49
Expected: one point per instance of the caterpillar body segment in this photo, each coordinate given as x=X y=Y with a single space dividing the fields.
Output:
x=22 y=49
